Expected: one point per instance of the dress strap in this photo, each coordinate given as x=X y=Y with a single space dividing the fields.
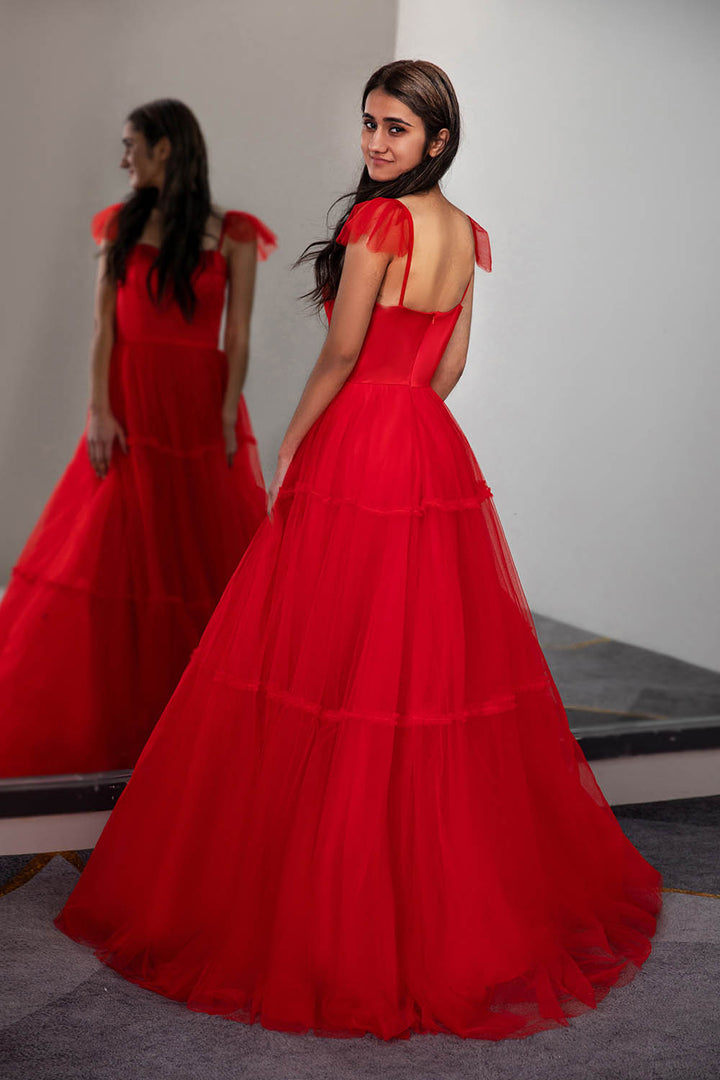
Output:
x=482 y=253
x=382 y=223
x=483 y=258
x=247 y=229
x=104 y=225
x=411 y=241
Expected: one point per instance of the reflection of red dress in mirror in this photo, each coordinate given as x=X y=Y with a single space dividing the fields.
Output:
x=119 y=576
x=363 y=809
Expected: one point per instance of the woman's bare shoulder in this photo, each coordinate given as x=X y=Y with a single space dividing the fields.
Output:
x=427 y=205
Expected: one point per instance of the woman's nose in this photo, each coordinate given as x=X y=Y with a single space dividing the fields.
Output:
x=377 y=141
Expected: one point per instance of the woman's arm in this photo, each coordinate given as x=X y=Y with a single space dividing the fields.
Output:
x=450 y=368
x=102 y=428
x=362 y=276
x=242 y=264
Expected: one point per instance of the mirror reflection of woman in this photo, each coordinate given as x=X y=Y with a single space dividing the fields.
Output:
x=123 y=569
x=366 y=771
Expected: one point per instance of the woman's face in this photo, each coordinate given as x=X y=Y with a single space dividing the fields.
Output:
x=393 y=137
x=145 y=164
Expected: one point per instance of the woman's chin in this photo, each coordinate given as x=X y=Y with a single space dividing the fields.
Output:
x=380 y=173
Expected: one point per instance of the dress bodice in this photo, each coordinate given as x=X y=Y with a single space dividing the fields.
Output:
x=138 y=318
x=402 y=345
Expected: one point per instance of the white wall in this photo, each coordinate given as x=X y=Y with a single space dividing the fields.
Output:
x=276 y=88
x=592 y=389
x=591 y=393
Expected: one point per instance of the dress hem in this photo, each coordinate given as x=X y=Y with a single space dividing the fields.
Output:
x=504 y=1024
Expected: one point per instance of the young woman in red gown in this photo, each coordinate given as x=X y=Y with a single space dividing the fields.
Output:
x=363 y=809
x=131 y=554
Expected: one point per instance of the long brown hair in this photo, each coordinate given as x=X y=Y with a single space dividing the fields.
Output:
x=427 y=90
x=184 y=203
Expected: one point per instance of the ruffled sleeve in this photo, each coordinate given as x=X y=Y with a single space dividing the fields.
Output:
x=244 y=228
x=386 y=225
x=104 y=224
x=482 y=247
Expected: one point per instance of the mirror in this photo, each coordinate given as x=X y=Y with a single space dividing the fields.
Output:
x=591 y=386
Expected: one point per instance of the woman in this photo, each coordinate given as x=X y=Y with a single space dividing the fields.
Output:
x=366 y=773
x=122 y=571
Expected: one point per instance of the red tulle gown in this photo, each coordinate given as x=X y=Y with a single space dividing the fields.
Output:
x=363 y=810
x=120 y=576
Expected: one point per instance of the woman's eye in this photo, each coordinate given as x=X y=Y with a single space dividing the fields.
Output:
x=397 y=130
x=368 y=124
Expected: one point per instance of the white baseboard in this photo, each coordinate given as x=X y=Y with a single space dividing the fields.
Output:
x=642 y=778
x=684 y=774
x=51 y=832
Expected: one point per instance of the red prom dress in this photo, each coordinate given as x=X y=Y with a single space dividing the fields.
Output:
x=363 y=809
x=119 y=577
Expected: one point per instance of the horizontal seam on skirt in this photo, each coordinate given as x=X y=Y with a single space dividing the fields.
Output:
x=169 y=341
x=473 y=503
x=499 y=704
x=35 y=579
x=198 y=451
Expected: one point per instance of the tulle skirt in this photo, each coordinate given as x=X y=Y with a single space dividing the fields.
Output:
x=119 y=577
x=363 y=810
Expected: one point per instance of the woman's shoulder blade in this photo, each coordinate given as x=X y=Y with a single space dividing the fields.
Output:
x=481 y=240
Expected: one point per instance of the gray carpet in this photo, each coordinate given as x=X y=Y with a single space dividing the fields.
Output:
x=64 y=1015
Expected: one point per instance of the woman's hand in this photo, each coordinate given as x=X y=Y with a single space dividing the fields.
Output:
x=229 y=424
x=282 y=467
x=102 y=431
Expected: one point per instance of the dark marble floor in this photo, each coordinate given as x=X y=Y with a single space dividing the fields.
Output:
x=609 y=686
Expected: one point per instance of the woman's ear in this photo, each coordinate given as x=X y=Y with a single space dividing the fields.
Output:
x=439 y=143
x=162 y=148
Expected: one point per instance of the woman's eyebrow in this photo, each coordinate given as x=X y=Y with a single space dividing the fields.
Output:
x=389 y=119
